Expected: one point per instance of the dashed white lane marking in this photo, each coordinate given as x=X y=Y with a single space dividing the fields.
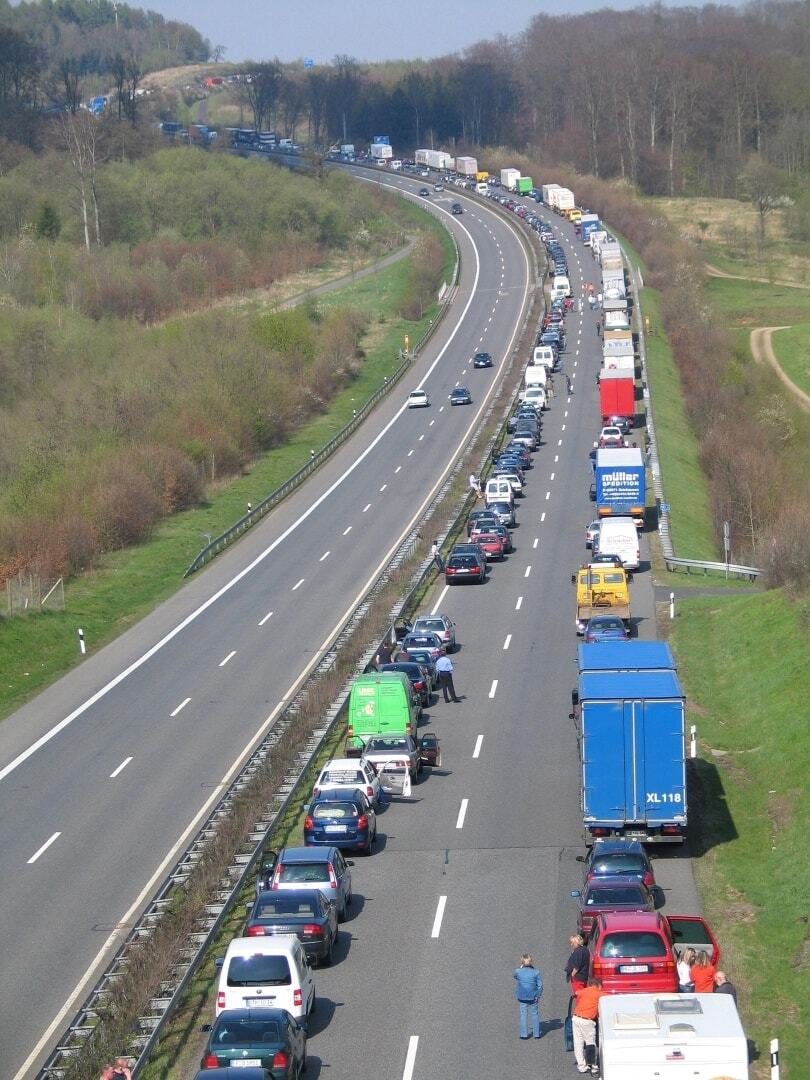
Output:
x=396 y=470
x=527 y=571
x=441 y=408
x=565 y=414
x=437 y=921
x=432 y=422
x=325 y=555
x=382 y=489
x=410 y=1057
x=478 y=743
x=366 y=507
x=120 y=769
x=559 y=442
x=462 y=813
x=542 y=517
x=552 y=476
x=421 y=437
x=440 y=601
x=269 y=614
x=347 y=531
x=298 y=584
x=44 y=848
x=410 y=452
x=519 y=603
x=493 y=688
x=562 y=428
x=507 y=641
x=548 y=495
x=231 y=654
x=556 y=458
x=184 y=702
x=536 y=541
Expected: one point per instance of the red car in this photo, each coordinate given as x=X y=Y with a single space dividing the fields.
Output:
x=634 y=953
x=610 y=893
x=490 y=542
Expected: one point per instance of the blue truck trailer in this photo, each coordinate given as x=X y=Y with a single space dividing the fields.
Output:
x=625 y=656
x=633 y=753
x=621 y=488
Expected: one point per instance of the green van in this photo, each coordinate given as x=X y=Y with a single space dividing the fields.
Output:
x=381 y=703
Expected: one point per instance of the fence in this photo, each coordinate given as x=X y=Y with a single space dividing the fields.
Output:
x=29 y=592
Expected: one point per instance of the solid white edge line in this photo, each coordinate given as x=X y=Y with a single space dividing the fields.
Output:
x=180 y=707
x=493 y=688
x=462 y=813
x=410 y=1058
x=230 y=655
x=437 y=921
x=440 y=601
x=477 y=750
x=120 y=769
x=44 y=848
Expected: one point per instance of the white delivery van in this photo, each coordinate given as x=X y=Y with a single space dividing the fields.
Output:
x=482 y=189
x=535 y=395
x=543 y=354
x=560 y=287
x=498 y=489
x=266 y=973
x=619 y=536
x=671 y=1037
x=536 y=375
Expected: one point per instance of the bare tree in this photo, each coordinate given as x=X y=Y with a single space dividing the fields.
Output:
x=79 y=131
x=261 y=85
x=766 y=187
x=69 y=75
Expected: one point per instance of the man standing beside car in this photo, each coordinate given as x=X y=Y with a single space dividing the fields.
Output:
x=444 y=668
x=586 y=1010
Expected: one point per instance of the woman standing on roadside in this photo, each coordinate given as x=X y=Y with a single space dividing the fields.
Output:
x=702 y=972
x=685 y=961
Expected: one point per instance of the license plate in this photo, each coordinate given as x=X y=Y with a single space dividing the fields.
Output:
x=336 y=828
x=634 y=969
x=258 y=1003
x=246 y=1063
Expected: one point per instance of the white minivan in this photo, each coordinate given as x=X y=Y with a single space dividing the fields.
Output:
x=619 y=536
x=498 y=489
x=535 y=395
x=266 y=973
x=560 y=287
x=543 y=354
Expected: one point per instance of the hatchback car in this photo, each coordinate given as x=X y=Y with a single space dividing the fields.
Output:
x=345 y=821
x=490 y=542
x=610 y=894
x=423 y=191
x=426 y=660
x=605 y=628
x=479 y=517
x=418 y=399
x=514 y=479
x=263 y=1038
x=460 y=395
x=303 y=912
x=315 y=868
x=457 y=208
x=347 y=775
x=442 y=625
x=420 y=681
x=398 y=750
x=465 y=568
x=505 y=512
x=609 y=858
x=482 y=360
x=526 y=437
x=425 y=639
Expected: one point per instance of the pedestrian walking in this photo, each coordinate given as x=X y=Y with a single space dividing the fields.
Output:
x=722 y=985
x=384 y=654
x=528 y=988
x=583 y=1023
x=436 y=555
x=598 y=301
x=475 y=485
x=685 y=984
x=591 y=300
x=444 y=668
x=703 y=972
x=599 y=330
x=578 y=965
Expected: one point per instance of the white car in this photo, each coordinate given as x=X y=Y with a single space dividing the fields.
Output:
x=592 y=532
x=513 y=478
x=418 y=399
x=348 y=774
x=441 y=625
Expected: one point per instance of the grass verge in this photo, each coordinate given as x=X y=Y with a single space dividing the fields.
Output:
x=126 y=585
x=792 y=349
x=743 y=660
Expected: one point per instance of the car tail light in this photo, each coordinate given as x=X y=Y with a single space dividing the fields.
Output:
x=276 y=876
x=255 y=931
x=211 y=1062
x=280 y=1059
x=370 y=792
x=600 y=969
x=666 y=966
x=308 y=822
x=362 y=821
x=298 y=997
x=671 y=830
x=221 y=999
x=648 y=879
x=312 y=929
x=599 y=831
x=332 y=878
x=419 y=685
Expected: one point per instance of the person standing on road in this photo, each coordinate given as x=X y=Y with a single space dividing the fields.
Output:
x=723 y=986
x=444 y=667
x=384 y=654
x=436 y=555
x=569 y=384
x=579 y=963
x=528 y=988
x=583 y=1022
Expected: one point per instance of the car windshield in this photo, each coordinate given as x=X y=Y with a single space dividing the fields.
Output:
x=374 y=746
x=431 y=624
x=321 y=811
x=421 y=656
x=246 y=1033
x=619 y=864
x=281 y=907
x=303 y=873
x=259 y=970
x=341 y=776
x=604 y=897
x=633 y=943
x=606 y=624
x=463 y=561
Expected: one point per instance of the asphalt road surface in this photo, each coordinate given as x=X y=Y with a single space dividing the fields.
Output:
x=105 y=776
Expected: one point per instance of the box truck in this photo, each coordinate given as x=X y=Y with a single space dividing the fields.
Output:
x=381 y=151
x=589 y=223
x=617 y=343
x=617 y=394
x=633 y=751
x=466 y=166
x=620 y=483
x=421 y=157
x=562 y=200
x=524 y=185
x=509 y=177
x=626 y=656
x=546 y=192
x=671 y=1037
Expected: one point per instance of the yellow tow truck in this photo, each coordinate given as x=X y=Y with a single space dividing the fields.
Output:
x=602 y=589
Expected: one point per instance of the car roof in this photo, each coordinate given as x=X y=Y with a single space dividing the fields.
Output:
x=616 y=881
x=339 y=763
x=252 y=1014
x=618 y=921
x=305 y=854
x=265 y=946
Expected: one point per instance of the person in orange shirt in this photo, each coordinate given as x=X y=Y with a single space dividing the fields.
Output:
x=702 y=972
x=583 y=1023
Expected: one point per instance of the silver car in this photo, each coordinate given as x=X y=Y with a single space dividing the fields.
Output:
x=322 y=868
x=438 y=624
x=396 y=750
x=504 y=511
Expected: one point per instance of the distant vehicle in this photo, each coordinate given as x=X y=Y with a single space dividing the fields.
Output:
x=460 y=395
x=424 y=192
x=457 y=208
x=442 y=625
x=609 y=858
x=438 y=187
x=465 y=568
x=418 y=399
x=482 y=360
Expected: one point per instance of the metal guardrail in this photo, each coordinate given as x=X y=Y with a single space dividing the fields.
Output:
x=213 y=547
x=729 y=569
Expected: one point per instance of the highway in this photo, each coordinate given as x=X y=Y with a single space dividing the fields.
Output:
x=105 y=776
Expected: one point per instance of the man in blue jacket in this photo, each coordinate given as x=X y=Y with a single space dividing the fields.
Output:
x=528 y=988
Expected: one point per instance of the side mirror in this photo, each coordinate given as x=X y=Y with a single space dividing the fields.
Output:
x=576 y=893
x=580 y=858
x=350 y=862
x=220 y=960
x=573 y=579
x=204 y=1028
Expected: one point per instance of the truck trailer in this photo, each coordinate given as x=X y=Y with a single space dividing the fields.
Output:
x=617 y=394
x=546 y=192
x=524 y=185
x=633 y=751
x=509 y=178
x=466 y=166
x=620 y=482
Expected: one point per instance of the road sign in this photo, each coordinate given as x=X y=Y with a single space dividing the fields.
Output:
x=309 y=63
x=665 y=508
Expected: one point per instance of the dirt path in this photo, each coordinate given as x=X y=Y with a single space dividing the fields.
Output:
x=762 y=350
x=714 y=271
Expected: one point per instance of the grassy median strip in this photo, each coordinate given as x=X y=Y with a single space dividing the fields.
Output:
x=744 y=663
x=127 y=584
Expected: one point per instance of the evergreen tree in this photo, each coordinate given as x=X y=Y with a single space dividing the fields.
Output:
x=47 y=223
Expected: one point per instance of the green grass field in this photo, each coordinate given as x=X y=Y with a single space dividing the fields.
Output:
x=792 y=348
x=744 y=664
x=35 y=650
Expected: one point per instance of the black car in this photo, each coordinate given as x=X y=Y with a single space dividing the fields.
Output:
x=457 y=208
x=425 y=660
x=307 y=913
x=415 y=672
x=424 y=192
x=270 y=1037
x=608 y=858
x=460 y=395
x=482 y=360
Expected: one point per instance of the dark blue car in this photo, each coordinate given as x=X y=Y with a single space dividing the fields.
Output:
x=342 y=819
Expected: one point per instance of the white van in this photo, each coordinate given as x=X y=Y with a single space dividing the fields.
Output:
x=543 y=354
x=498 y=489
x=560 y=287
x=482 y=189
x=617 y=320
x=671 y=1037
x=395 y=165
x=619 y=536
x=536 y=375
x=535 y=395
x=266 y=972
